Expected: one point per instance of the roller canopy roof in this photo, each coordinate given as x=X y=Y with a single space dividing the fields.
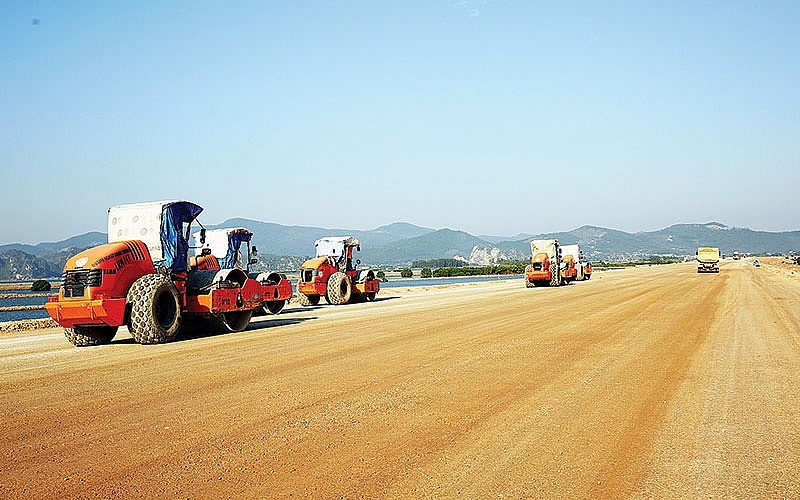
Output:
x=224 y=244
x=160 y=225
x=334 y=245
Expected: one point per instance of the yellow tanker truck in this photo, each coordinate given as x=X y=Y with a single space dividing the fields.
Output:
x=707 y=260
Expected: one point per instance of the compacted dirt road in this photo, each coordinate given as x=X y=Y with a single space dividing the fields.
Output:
x=641 y=383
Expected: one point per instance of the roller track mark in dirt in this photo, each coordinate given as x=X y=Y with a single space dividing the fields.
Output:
x=731 y=431
x=690 y=317
x=533 y=397
x=547 y=402
x=782 y=303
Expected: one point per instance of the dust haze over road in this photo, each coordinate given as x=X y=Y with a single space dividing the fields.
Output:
x=640 y=383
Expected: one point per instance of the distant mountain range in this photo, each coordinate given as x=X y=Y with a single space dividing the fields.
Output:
x=399 y=244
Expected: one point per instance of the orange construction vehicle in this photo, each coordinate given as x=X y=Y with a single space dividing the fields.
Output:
x=333 y=274
x=143 y=278
x=544 y=268
x=574 y=268
x=569 y=269
x=230 y=248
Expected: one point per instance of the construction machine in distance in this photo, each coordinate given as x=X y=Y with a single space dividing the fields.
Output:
x=568 y=268
x=576 y=268
x=545 y=266
x=333 y=274
x=230 y=248
x=707 y=260
x=142 y=278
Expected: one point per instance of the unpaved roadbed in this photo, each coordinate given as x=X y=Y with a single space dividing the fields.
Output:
x=640 y=383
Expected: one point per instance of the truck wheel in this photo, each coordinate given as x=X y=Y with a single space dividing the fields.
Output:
x=555 y=275
x=274 y=306
x=528 y=283
x=83 y=336
x=307 y=300
x=339 y=289
x=155 y=310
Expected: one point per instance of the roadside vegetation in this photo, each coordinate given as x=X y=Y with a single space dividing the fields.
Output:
x=495 y=269
x=41 y=286
x=434 y=263
x=649 y=261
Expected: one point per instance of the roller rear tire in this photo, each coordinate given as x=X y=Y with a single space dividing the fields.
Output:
x=307 y=300
x=555 y=275
x=339 y=289
x=528 y=270
x=155 y=310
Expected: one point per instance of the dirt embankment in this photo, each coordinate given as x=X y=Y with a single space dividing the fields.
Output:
x=27 y=325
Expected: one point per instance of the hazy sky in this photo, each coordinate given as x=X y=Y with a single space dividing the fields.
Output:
x=493 y=117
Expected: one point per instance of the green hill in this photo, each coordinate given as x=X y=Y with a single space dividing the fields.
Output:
x=400 y=244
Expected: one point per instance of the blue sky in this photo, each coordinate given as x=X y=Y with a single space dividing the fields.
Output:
x=493 y=117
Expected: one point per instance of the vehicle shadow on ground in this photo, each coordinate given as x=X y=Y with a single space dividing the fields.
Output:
x=272 y=322
x=325 y=305
x=199 y=331
x=381 y=299
x=124 y=341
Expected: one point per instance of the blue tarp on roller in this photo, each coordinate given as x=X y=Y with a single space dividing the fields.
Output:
x=235 y=240
x=174 y=245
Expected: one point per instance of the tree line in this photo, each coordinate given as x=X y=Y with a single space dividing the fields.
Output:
x=434 y=263
x=451 y=272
